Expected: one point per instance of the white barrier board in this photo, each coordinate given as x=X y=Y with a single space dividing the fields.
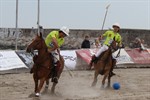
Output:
x=70 y=58
x=68 y=55
x=123 y=58
x=10 y=60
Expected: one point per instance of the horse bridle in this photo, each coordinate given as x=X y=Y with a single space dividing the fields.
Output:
x=32 y=52
x=115 y=49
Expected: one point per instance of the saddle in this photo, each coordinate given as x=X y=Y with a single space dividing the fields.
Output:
x=96 y=59
x=104 y=57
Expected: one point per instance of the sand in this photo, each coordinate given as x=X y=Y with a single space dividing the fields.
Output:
x=135 y=85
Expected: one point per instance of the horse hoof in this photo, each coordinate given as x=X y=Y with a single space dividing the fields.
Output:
x=93 y=85
x=102 y=87
x=31 y=95
x=53 y=93
x=46 y=86
x=37 y=94
x=45 y=91
x=108 y=87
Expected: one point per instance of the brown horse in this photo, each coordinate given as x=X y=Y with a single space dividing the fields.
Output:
x=43 y=63
x=104 y=65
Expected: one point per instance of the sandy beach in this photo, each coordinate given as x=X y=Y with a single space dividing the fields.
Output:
x=135 y=85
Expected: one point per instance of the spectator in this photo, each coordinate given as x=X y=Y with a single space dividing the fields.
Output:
x=137 y=43
x=142 y=45
x=86 y=42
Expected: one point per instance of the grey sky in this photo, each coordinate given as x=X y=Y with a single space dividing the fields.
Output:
x=76 y=14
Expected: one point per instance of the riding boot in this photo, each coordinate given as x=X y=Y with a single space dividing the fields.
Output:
x=94 y=58
x=113 y=65
x=55 y=77
x=56 y=69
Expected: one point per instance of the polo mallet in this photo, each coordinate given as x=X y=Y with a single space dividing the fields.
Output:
x=68 y=70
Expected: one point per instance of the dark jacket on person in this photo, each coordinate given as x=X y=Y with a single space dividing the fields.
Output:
x=85 y=44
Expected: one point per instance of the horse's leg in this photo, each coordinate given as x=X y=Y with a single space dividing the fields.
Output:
x=110 y=72
x=104 y=78
x=47 y=83
x=95 y=78
x=109 y=81
x=46 y=86
x=53 y=88
x=54 y=84
x=36 y=83
x=40 y=86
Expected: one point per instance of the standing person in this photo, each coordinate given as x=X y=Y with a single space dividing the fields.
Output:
x=86 y=42
x=110 y=34
x=54 y=41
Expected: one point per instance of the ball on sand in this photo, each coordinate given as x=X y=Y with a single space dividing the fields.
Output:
x=116 y=86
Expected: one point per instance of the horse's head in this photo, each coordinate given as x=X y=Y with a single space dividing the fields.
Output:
x=114 y=45
x=36 y=44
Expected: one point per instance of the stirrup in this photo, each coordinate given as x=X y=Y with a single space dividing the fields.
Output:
x=112 y=73
x=94 y=59
x=31 y=70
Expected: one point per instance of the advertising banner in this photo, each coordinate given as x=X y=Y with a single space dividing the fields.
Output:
x=138 y=56
x=68 y=55
x=25 y=57
x=73 y=58
x=148 y=50
x=10 y=60
x=70 y=58
x=123 y=57
x=84 y=54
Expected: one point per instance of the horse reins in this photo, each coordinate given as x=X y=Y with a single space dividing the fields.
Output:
x=118 y=54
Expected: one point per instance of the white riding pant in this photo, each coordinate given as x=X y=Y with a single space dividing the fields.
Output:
x=102 y=49
x=56 y=55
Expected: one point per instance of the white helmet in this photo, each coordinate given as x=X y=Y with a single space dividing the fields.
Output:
x=116 y=24
x=65 y=30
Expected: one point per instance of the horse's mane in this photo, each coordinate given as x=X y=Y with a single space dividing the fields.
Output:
x=43 y=54
x=43 y=40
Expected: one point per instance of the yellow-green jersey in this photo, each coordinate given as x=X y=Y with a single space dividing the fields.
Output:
x=53 y=34
x=110 y=36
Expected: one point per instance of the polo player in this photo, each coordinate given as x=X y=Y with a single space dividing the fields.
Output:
x=54 y=41
x=110 y=35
